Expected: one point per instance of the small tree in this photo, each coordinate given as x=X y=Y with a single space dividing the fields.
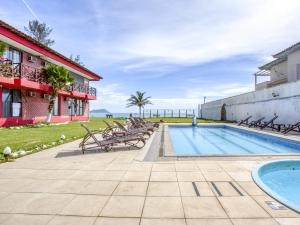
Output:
x=40 y=32
x=138 y=100
x=77 y=59
x=58 y=78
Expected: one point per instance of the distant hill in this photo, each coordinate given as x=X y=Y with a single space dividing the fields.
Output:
x=99 y=111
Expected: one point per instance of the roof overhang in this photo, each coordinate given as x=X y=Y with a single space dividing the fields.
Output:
x=24 y=42
x=275 y=62
x=287 y=51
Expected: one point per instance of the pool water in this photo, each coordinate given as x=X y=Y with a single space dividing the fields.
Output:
x=222 y=140
x=280 y=179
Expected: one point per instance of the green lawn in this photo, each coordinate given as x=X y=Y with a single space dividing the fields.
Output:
x=37 y=138
x=30 y=138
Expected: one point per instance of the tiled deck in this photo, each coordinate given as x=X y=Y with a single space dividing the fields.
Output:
x=59 y=186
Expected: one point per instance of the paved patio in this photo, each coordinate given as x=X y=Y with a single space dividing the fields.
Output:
x=62 y=186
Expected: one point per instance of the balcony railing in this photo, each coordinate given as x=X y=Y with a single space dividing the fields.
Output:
x=23 y=71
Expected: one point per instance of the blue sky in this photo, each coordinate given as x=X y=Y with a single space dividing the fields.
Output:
x=177 y=51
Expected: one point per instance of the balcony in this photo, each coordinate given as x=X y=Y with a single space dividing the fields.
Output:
x=19 y=74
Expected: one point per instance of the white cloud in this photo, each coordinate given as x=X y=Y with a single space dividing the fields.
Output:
x=111 y=97
x=195 y=32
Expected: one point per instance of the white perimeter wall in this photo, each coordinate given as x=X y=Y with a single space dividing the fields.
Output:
x=259 y=103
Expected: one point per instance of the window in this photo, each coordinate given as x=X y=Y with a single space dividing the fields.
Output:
x=298 y=71
x=71 y=107
x=16 y=57
x=80 y=107
x=55 y=108
x=11 y=103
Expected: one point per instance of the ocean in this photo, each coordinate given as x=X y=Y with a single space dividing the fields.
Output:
x=148 y=114
x=115 y=115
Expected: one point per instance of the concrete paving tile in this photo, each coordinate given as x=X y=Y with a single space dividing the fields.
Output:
x=216 y=176
x=163 y=189
x=88 y=175
x=14 y=200
x=163 y=207
x=100 y=187
x=72 y=220
x=232 y=167
x=241 y=175
x=24 y=219
x=45 y=204
x=269 y=221
x=131 y=188
x=275 y=213
x=186 y=167
x=227 y=189
x=69 y=186
x=251 y=188
x=4 y=217
x=39 y=186
x=3 y=195
x=13 y=185
x=163 y=222
x=208 y=222
x=141 y=167
x=190 y=176
x=136 y=176
x=242 y=207
x=288 y=221
x=17 y=174
x=163 y=176
x=111 y=175
x=204 y=189
x=209 y=167
x=117 y=221
x=56 y=174
x=123 y=206
x=100 y=166
x=202 y=207
x=85 y=205
x=118 y=166
x=163 y=167
x=186 y=189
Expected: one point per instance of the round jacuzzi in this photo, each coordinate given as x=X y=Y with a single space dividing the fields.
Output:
x=281 y=180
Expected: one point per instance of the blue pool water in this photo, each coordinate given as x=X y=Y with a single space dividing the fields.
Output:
x=188 y=140
x=281 y=180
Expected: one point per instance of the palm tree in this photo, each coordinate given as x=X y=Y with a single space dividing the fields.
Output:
x=40 y=32
x=58 y=78
x=2 y=48
x=138 y=100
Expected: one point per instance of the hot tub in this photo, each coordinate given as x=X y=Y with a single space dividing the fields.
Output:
x=281 y=180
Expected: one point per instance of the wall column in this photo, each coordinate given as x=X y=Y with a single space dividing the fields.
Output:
x=0 y=101
x=60 y=100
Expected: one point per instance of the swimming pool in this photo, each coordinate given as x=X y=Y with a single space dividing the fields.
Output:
x=227 y=140
x=281 y=180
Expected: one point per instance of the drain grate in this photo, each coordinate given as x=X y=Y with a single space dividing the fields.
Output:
x=195 y=188
x=216 y=188
x=236 y=189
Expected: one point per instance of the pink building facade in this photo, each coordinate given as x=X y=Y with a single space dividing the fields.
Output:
x=24 y=94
